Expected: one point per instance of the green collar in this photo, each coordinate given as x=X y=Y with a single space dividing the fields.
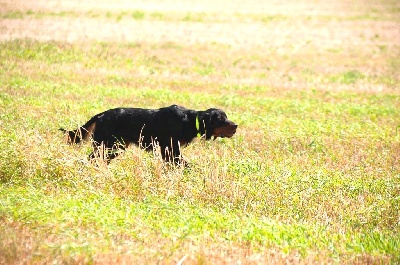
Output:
x=198 y=126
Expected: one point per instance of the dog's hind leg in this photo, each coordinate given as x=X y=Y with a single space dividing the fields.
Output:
x=107 y=151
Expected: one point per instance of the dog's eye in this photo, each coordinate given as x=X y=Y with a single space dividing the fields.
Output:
x=218 y=120
x=215 y=119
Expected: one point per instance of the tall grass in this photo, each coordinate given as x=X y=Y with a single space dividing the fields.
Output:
x=311 y=176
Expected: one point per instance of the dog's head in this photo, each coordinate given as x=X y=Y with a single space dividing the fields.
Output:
x=214 y=122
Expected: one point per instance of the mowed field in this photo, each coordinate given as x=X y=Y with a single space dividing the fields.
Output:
x=311 y=177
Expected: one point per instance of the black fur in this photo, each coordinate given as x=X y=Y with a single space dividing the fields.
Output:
x=170 y=127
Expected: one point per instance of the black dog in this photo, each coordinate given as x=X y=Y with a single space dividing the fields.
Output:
x=169 y=127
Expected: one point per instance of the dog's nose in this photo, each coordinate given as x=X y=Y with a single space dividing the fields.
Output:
x=235 y=125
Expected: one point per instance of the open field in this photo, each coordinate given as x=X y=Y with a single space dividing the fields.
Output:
x=311 y=177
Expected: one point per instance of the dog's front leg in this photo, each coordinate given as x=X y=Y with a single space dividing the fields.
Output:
x=172 y=153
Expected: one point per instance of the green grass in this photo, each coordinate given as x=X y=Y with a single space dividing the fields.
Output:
x=312 y=175
x=107 y=214
x=309 y=171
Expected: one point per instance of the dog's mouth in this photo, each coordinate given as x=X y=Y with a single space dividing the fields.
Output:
x=225 y=131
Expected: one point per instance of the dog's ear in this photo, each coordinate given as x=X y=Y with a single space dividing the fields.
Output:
x=206 y=124
x=206 y=118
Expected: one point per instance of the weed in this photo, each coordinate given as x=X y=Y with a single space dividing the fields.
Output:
x=349 y=77
x=138 y=15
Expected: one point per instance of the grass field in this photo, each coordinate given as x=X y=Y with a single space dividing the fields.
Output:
x=311 y=177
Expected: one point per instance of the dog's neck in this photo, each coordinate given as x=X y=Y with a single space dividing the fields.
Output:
x=195 y=118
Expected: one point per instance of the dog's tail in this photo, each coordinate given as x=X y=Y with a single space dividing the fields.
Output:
x=82 y=133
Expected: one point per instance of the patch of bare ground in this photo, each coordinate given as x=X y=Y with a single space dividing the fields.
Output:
x=300 y=27
x=285 y=36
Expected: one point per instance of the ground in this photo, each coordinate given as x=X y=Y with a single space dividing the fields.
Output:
x=310 y=177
